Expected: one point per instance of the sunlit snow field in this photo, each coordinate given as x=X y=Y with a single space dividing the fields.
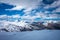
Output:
x=31 y=35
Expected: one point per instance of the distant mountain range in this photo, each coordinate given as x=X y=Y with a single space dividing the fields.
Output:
x=6 y=26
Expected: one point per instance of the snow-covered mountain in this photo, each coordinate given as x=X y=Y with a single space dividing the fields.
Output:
x=13 y=26
x=6 y=26
x=19 y=26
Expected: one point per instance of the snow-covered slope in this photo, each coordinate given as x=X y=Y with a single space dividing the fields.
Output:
x=14 y=26
x=33 y=35
x=19 y=26
x=6 y=26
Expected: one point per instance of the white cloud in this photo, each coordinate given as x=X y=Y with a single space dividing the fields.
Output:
x=7 y=16
x=26 y=17
x=16 y=16
x=22 y=3
x=16 y=8
x=29 y=5
x=1 y=16
x=27 y=11
x=56 y=5
x=57 y=10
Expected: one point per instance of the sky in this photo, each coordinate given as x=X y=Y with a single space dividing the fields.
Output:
x=29 y=10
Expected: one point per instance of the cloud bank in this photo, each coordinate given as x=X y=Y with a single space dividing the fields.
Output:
x=32 y=9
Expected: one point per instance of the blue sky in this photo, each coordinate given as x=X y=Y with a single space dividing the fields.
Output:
x=29 y=10
x=4 y=6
